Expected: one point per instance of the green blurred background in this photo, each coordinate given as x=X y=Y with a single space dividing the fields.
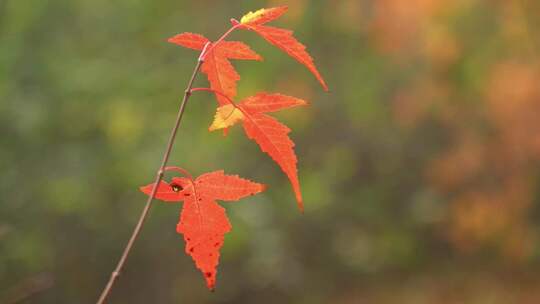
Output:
x=420 y=169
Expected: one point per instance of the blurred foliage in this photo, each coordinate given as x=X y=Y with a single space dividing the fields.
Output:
x=420 y=169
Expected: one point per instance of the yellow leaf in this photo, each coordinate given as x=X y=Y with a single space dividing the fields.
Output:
x=252 y=16
x=226 y=116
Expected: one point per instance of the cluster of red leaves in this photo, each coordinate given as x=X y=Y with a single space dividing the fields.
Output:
x=202 y=221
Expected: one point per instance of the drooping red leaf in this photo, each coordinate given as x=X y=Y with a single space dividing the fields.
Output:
x=220 y=72
x=280 y=38
x=271 y=135
x=285 y=40
x=203 y=222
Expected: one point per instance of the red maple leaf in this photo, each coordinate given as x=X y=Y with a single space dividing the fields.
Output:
x=217 y=67
x=271 y=135
x=202 y=221
x=281 y=38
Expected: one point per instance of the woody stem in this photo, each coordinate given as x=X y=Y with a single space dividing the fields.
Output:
x=159 y=176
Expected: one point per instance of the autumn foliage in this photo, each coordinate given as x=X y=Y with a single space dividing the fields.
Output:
x=203 y=222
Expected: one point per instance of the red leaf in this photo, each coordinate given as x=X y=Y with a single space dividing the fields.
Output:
x=220 y=72
x=271 y=136
x=189 y=40
x=202 y=221
x=285 y=40
x=281 y=38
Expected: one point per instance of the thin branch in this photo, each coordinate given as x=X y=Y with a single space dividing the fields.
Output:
x=116 y=273
x=159 y=176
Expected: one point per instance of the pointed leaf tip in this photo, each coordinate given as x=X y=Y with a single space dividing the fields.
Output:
x=144 y=189
x=300 y=204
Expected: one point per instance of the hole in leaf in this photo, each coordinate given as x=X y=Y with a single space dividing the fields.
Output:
x=176 y=188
